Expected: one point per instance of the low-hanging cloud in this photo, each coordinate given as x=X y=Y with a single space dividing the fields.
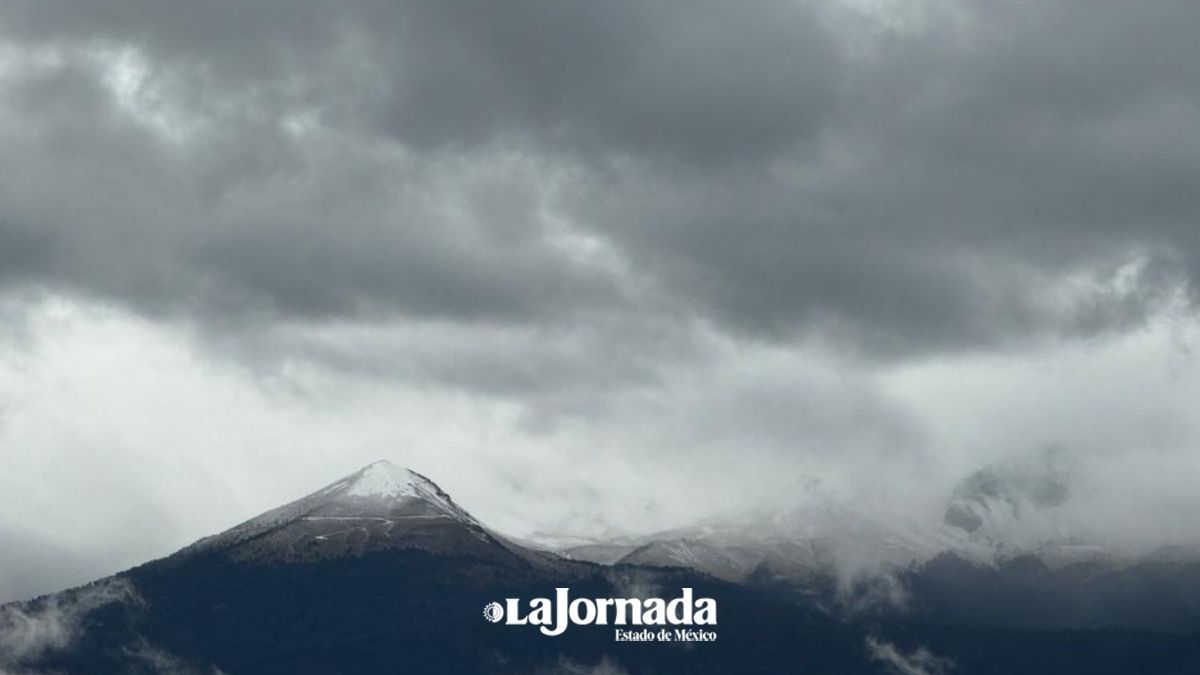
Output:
x=920 y=661
x=29 y=630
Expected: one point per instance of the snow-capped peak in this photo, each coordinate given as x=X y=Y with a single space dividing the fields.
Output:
x=384 y=479
x=387 y=486
x=377 y=493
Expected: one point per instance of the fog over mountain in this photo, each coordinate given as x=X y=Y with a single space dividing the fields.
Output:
x=606 y=270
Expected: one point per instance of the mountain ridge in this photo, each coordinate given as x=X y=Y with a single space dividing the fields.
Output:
x=381 y=567
x=379 y=507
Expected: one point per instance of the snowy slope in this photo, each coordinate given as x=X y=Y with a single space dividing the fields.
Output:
x=379 y=507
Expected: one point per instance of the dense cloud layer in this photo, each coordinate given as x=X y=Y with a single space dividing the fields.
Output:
x=911 y=177
x=636 y=235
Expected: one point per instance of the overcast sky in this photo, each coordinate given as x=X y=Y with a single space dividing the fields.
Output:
x=595 y=267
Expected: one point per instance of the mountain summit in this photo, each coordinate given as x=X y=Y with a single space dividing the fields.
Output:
x=379 y=507
x=385 y=480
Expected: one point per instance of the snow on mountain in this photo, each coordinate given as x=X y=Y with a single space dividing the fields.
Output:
x=379 y=507
x=994 y=515
x=383 y=506
x=384 y=482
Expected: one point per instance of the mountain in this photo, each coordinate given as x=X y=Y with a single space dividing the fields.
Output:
x=733 y=561
x=781 y=547
x=378 y=572
x=382 y=572
x=998 y=559
x=380 y=507
x=994 y=514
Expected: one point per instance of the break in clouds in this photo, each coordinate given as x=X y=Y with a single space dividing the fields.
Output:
x=596 y=267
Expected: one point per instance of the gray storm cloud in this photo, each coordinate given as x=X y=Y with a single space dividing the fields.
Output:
x=583 y=262
x=990 y=175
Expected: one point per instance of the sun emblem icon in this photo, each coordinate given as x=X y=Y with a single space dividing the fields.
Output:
x=493 y=612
